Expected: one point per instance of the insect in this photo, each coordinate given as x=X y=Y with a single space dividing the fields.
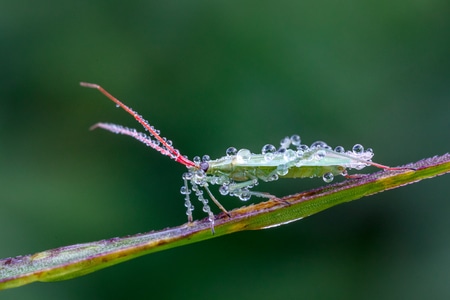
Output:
x=240 y=170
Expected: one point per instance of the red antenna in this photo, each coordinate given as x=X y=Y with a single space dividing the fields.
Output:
x=159 y=143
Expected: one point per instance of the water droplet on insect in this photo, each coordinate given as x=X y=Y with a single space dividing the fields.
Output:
x=245 y=195
x=295 y=140
x=187 y=176
x=320 y=154
x=243 y=155
x=358 y=149
x=269 y=148
x=289 y=155
x=196 y=160
x=206 y=158
x=303 y=148
x=285 y=142
x=231 y=151
x=184 y=190
x=274 y=177
x=268 y=156
x=189 y=207
x=281 y=151
x=328 y=177
x=369 y=150
x=224 y=190
x=319 y=144
x=199 y=177
x=339 y=149
x=282 y=170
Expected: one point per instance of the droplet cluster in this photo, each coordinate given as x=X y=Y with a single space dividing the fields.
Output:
x=290 y=154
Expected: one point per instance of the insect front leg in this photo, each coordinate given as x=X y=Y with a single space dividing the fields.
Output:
x=187 y=199
x=215 y=200
x=204 y=201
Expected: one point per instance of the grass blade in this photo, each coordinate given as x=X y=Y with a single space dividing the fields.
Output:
x=80 y=259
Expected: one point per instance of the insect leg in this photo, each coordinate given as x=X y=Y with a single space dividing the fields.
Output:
x=187 y=200
x=215 y=200
x=390 y=168
x=261 y=194
x=206 y=208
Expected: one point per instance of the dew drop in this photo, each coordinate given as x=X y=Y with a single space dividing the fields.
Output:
x=328 y=177
x=289 y=155
x=269 y=148
x=206 y=158
x=285 y=142
x=224 y=190
x=358 y=149
x=184 y=190
x=281 y=150
x=282 y=170
x=295 y=140
x=269 y=156
x=189 y=207
x=243 y=155
x=274 y=177
x=303 y=148
x=196 y=159
x=231 y=151
x=339 y=149
x=187 y=176
x=319 y=144
x=245 y=195
x=199 y=177
x=320 y=154
x=117 y=105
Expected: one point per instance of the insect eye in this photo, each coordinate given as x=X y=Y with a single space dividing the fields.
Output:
x=204 y=166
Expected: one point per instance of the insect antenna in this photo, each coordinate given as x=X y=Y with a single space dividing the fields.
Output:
x=165 y=149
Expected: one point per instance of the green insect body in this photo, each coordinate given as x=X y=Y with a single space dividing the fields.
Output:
x=239 y=171
x=311 y=163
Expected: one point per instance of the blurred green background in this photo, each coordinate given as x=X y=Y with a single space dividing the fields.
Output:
x=209 y=75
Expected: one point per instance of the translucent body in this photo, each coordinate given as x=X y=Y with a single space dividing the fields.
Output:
x=240 y=170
